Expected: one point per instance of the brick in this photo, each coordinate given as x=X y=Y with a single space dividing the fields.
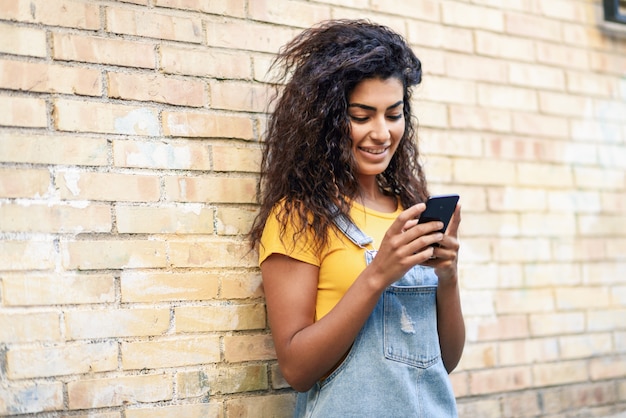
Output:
x=52 y=149
x=483 y=276
x=522 y=250
x=608 y=367
x=431 y=115
x=224 y=380
x=439 y=36
x=201 y=61
x=594 y=178
x=155 y=287
x=29 y=327
x=213 y=189
x=564 y=10
x=189 y=155
x=555 y=323
x=111 y=323
x=220 y=317
x=501 y=327
x=440 y=89
x=187 y=219
x=503 y=46
x=236 y=8
x=489 y=224
x=585 y=346
x=486 y=408
x=27 y=41
x=582 y=297
x=477 y=68
x=207 y=125
x=234 y=158
x=113 y=254
x=610 y=109
x=177 y=352
x=253 y=97
x=241 y=285
x=78 y=116
x=451 y=143
x=575 y=201
x=547 y=224
x=478 y=356
x=472 y=16
x=607 y=320
x=238 y=348
x=57 y=289
x=234 y=221
x=513 y=353
x=563 y=372
x=46 y=78
x=279 y=382
x=565 y=104
x=27 y=255
x=103 y=186
x=24 y=183
x=607 y=63
x=477 y=250
x=55 y=218
x=499 y=380
x=590 y=84
x=195 y=383
x=219 y=253
x=280 y=405
x=150 y=24
x=290 y=13
x=562 y=55
x=481 y=119
x=156 y=88
x=67 y=13
x=589 y=394
x=507 y=97
x=478 y=302
x=532 y=27
x=249 y=36
x=31 y=398
x=607 y=226
x=552 y=274
x=119 y=390
x=590 y=130
x=524 y=301
x=525 y=404
x=99 y=50
x=26 y=112
x=612 y=156
x=533 y=75
x=545 y=175
x=202 y=410
x=467 y=171
x=579 y=250
x=60 y=361
x=618 y=296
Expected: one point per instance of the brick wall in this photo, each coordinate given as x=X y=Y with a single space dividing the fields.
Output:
x=129 y=146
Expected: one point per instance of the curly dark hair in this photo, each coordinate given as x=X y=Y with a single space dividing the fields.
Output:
x=307 y=161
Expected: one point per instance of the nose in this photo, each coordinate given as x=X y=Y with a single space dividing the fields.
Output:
x=380 y=129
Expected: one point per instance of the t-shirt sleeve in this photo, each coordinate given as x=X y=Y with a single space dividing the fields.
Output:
x=271 y=243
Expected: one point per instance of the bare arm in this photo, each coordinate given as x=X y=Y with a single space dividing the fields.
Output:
x=306 y=349
x=450 y=324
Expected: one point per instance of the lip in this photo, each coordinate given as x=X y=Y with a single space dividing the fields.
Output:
x=374 y=153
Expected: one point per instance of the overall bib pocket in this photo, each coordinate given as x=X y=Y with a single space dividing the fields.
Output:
x=410 y=325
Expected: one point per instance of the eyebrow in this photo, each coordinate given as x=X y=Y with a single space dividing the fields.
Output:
x=366 y=107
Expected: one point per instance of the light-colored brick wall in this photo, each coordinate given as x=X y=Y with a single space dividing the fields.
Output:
x=129 y=147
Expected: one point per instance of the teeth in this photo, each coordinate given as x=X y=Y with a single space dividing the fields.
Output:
x=374 y=151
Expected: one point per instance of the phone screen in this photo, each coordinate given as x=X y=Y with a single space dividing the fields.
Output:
x=439 y=208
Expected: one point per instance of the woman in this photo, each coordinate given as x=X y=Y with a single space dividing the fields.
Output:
x=364 y=308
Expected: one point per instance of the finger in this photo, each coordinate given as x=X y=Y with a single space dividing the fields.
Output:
x=406 y=218
x=453 y=227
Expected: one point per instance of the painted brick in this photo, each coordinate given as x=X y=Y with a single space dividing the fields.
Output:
x=78 y=116
x=590 y=84
x=107 y=323
x=187 y=219
x=171 y=286
x=200 y=62
x=220 y=317
x=254 y=99
x=451 y=143
x=514 y=353
x=608 y=179
x=29 y=327
x=189 y=155
x=478 y=356
x=68 y=13
x=233 y=158
x=478 y=118
x=582 y=297
x=447 y=90
x=235 y=8
x=445 y=37
x=472 y=16
x=250 y=36
x=236 y=379
x=467 y=171
x=19 y=40
x=49 y=149
x=291 y=13
x=31 y=398
x=486 y=408
x=24 y=183
x=552 y=274
x=34 y=254
x=532 y=27
x=507 y=97
x=579 y=250
x=562 y=55
x=549 y=374
x=59 y=361
x=585 y=345
x=239 y=348
x=219 y=253
x=100 y=50
x=432 y=115
x=206 y=125
x=608 y=367
x=86 y=185
x=113 y=254
x=202 y=410
x=241 y=285
x=232 y=221
x=502 y=46
x=545 y=175
x=607 y=320
x=177 y=352
x=499 y=380
x=195 y=383
x=119 y=390
x=541 y=77
x=57 y=218
x=213 y=189
x=524 y=301
x=57 y=289
x=503 y=327
x=148 y=24
x=156 y=88
x=29 y=112
x=43 y=77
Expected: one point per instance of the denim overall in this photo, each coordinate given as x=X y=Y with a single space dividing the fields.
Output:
x=394 y=368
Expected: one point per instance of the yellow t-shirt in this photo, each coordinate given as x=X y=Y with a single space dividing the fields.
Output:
x=340 y=262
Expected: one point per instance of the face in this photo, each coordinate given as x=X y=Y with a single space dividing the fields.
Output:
x=375 y=109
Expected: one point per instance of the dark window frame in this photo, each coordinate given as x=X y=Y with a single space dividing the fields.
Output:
x=612 y=12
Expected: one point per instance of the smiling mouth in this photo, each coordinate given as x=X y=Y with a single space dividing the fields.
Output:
x=374 y=150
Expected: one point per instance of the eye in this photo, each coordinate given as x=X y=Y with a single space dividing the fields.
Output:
x=358 y=118
x=395 y=117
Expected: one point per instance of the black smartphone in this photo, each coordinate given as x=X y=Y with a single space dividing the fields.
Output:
x=439 y=208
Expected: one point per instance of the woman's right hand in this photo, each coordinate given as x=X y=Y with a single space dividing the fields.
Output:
x=405 y=245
